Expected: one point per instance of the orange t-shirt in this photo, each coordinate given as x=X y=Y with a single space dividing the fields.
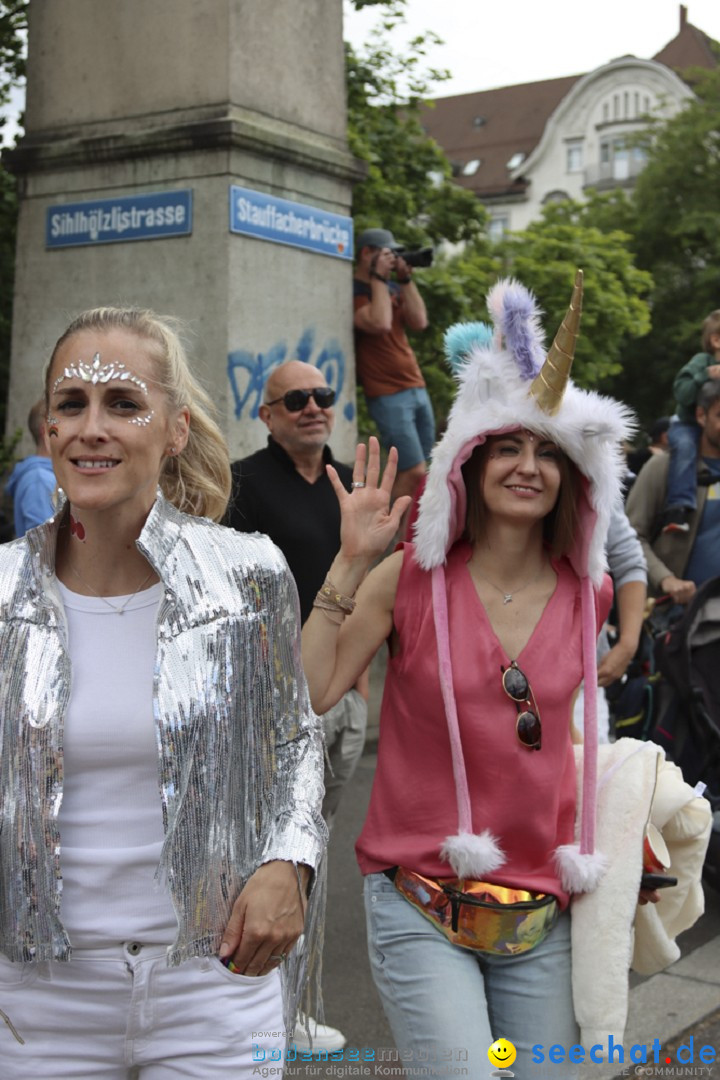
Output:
x=385 y=362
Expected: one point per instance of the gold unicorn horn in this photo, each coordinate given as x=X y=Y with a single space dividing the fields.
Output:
x=549 y=384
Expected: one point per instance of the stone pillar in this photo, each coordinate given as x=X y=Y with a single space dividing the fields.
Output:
x=142 y=118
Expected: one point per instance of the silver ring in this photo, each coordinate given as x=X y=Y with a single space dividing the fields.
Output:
x=281 y=958
x=358 y=483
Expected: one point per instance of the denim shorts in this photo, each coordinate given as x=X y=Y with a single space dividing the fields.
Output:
x=405 y=420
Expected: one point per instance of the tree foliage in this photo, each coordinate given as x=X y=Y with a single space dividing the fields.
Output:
x=408 y=189
x=616 y=293
x=545 y=257
x=676 y=237
x=13 y=26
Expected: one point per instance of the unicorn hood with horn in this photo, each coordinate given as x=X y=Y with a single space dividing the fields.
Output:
x=506 y=383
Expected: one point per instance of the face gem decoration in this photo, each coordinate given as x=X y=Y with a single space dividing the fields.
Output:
x=142 y=421
x=96 y=373
x=52 y=426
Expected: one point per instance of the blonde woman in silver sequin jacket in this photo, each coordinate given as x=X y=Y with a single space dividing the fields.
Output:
x=106 y=961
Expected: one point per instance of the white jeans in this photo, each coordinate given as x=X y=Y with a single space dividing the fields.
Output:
x=108 y=1011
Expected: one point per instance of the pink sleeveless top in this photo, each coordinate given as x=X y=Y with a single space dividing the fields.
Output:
x=526 y=798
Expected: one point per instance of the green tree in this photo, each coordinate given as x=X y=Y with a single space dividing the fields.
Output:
x=544 y=257
x=13 y=30
x=13 y=26
x=408 y=188
x=676 y=236
x=616 y=292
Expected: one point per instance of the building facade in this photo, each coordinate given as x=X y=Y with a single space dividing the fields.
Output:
x=520 y=147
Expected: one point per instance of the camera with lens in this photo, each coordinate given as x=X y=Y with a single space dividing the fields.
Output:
x=417 y=259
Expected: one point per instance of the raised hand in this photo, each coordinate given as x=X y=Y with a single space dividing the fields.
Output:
x=368 y=521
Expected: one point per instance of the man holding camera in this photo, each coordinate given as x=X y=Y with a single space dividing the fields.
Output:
x=387 y=368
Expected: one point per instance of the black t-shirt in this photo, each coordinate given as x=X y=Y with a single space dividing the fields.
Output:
x=270 y=496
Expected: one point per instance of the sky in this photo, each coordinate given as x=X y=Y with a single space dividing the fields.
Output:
x=491 y=43
x=483 y=49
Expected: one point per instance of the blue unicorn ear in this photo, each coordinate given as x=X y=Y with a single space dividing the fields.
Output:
x=462 y=338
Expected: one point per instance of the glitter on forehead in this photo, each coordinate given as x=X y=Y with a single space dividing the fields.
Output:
x=95 y=373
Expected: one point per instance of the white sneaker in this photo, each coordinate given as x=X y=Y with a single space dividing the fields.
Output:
x=323 y=1037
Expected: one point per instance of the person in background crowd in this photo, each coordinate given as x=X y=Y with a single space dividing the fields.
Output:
x=284 y=490
x=626 y=563
x=657 y=444
x=679 y=562
x=387 y=368
x=684 y=433
x=32 y=481
x=160 y=764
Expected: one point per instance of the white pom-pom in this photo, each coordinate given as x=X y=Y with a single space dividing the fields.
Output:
x=579 y=873
x=473 y=856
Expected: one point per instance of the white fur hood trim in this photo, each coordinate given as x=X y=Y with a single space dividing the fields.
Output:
x=493 y=396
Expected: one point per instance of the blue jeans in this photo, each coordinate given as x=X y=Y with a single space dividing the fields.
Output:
x=405 y=420
x=442 y=1001
x=684 y=440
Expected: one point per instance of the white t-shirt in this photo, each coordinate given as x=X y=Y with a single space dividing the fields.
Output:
x=110 y=819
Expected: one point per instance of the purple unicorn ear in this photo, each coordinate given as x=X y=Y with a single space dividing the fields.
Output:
x=517 y=316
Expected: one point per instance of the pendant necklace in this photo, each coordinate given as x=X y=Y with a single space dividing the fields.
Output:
x=119 y=610
x=508 y=596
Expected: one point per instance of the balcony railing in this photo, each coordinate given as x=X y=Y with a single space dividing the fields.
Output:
x=613 y=173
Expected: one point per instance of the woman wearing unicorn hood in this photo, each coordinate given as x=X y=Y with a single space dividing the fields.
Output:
x=470 y=850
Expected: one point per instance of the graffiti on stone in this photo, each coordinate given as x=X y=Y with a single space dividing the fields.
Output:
x=248 y=371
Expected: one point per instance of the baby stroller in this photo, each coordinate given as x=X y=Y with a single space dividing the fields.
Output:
x=686 y=720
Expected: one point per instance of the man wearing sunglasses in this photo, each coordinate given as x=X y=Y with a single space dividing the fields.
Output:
x=386 y=364
x=283 y=491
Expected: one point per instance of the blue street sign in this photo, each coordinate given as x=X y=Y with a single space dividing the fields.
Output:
x=255 y=213
x=112 y=221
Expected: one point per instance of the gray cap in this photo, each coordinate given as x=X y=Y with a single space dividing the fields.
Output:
x=377 y=238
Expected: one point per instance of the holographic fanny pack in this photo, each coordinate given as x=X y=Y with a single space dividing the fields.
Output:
x=478 y=915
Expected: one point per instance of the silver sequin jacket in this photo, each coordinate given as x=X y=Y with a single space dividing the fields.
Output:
x=240 y=749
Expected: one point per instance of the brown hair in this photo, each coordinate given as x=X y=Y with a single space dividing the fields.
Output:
x=710 y=326
x=196 y=481
x=560 y=524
